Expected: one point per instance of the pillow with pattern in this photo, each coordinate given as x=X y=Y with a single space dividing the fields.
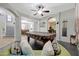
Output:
x=48 y=49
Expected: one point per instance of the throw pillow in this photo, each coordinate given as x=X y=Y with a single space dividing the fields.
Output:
x=48 y=49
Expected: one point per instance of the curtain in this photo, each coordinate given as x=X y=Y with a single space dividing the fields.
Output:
x=77 y=22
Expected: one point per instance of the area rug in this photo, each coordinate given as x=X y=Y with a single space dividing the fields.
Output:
x=64 y=52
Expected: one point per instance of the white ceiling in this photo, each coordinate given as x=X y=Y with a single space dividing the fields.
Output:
x=25 y=8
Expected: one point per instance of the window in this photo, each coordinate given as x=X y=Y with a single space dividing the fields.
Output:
x=2 y=12
x=23 y=26
x=9 y=18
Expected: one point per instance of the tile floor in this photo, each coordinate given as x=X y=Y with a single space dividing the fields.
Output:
x=5 y=42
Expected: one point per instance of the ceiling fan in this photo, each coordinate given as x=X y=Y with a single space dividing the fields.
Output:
x=40 y=10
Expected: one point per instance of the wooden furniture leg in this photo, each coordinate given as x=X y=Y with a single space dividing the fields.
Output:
x=28 y=39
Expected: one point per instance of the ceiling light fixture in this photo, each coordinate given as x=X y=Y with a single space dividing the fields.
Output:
x=39 y=12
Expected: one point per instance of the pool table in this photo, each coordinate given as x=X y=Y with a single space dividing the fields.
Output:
x=41 y=36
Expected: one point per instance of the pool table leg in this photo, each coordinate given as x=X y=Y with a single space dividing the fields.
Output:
x=28 y=39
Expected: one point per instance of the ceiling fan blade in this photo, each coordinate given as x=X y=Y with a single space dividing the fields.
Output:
x=33 y=10
x=47 y=11
x=41 y=14
x=35 y=14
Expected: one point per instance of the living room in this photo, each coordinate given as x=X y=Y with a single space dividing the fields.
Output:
x=31 y=22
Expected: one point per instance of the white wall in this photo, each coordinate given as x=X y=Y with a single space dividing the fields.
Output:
x=2 y=25
x=43 y=27
x=36 y=26
x=33 y=21
x=69 y=16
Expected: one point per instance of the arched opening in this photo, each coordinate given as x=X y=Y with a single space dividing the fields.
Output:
x=26 y=25
x=7 y=26
x=52 y=25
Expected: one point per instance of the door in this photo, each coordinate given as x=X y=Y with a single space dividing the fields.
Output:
x=64 y=28
x=64 y=31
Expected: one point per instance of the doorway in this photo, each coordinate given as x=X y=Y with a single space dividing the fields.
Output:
x=26 y=26
x=52 y=25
